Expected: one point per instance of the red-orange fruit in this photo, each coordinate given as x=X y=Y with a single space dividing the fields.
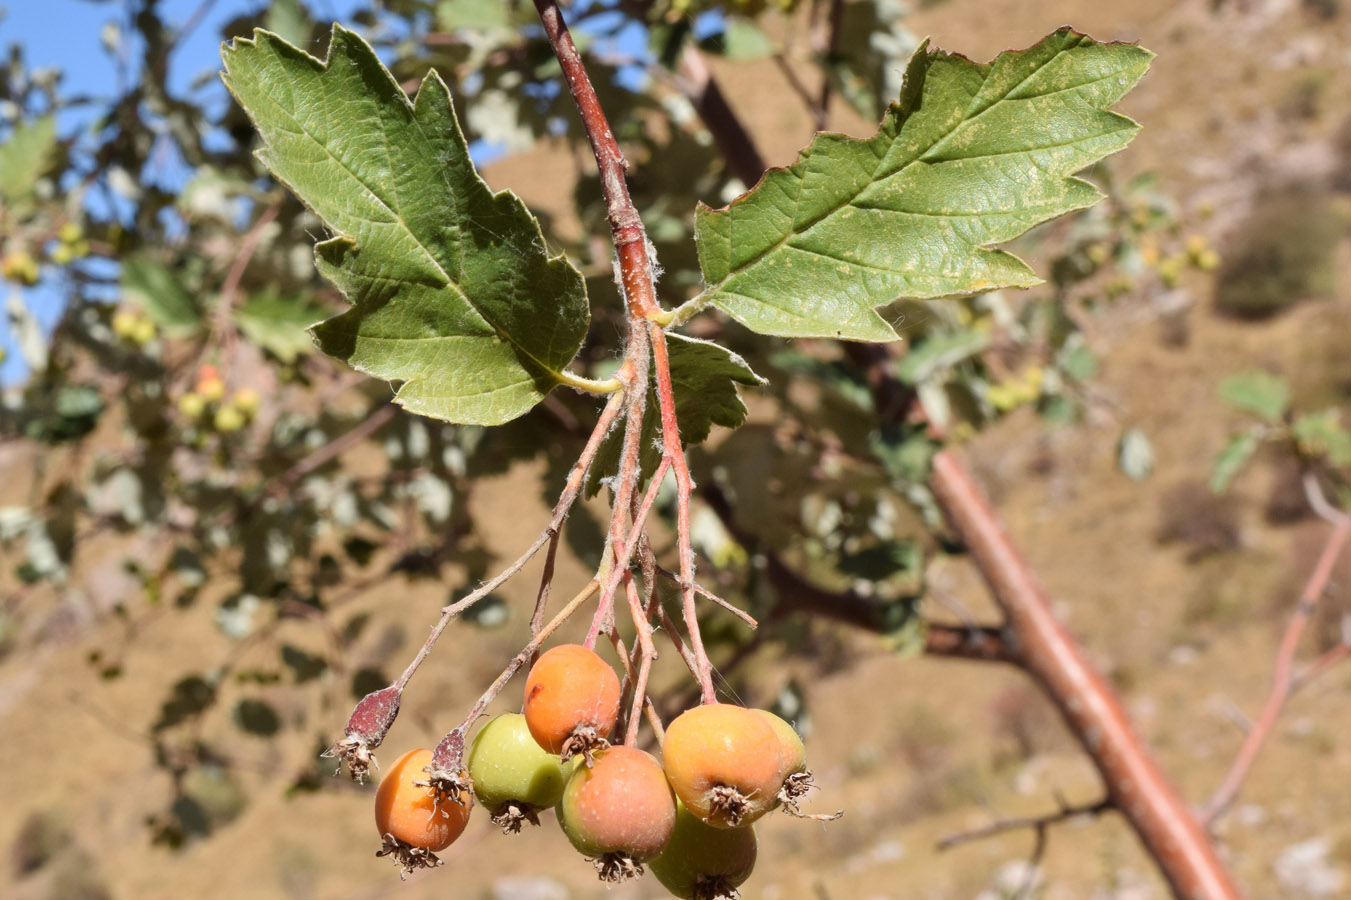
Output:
x=408 y=813
x=620 y=812
x=725 y=762
x=571 y=699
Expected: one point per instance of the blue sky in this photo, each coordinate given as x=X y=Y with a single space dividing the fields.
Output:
x=65 y=34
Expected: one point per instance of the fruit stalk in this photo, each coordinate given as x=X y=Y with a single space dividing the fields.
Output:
x=636 y=277
x=561 y=509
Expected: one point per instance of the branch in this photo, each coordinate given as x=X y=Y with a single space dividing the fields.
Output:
x=1135 y=784
x=1040 y=823
x=828 y=48
x=734 y=142
x=336 y=447
x=985 y=643
x=248 y=246
x=1283 y=679
x=569 y=496
x=626 y=227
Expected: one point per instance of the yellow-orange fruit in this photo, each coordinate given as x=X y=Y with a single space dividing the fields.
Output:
x=407 y=811
x=792 y=750
x=725 y=763
x=570 y=688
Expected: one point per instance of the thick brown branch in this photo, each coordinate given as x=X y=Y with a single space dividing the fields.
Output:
x=796 y=594
x=734 y=142
x=1135 y=784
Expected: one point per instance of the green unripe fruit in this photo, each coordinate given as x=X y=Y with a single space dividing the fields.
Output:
x=514 y=778
x=70 y=233
x=228 y=419
x=191 y=406
x=701 y=862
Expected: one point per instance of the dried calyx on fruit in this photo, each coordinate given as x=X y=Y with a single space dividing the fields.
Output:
x=725 y=763
x=701 y=862
x=366 y=730
x=571 y=701
x=514 y=777
x=619 y=812
x=446 y=775
x=413 y=821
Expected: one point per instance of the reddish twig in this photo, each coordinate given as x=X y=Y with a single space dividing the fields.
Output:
x=648 y=653
x=526 y=654
x=1320 y=665
x=636 y=278
x=625 y=548
x=570 y=491
x=670 y=435
x=602 y=428
x=630 y=465
x=248 y=246
x=368 y=426
x=1283 y=679
x=709 y=595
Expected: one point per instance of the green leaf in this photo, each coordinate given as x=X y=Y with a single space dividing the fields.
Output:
x=1322 y=434
x=454 y=293
x=704 y=377
x=279 y=324
x=940 y=351
x=970 y=156
x=1260 y=393
x=1232 y=459
x=160 y=295
x=24 y=158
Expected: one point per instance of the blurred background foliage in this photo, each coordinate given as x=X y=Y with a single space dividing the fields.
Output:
x=173 y=444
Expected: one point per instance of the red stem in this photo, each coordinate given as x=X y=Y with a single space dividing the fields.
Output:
x=1283 y=682
x=1135 y=784
x=670 y=436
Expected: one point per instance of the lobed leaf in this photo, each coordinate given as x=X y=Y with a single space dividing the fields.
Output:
x=454 y=293
x=970 y=156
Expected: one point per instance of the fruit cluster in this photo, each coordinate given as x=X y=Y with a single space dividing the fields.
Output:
x=208 y=396
x=687 y=817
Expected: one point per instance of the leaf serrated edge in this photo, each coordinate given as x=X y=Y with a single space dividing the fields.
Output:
x=919 y=61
